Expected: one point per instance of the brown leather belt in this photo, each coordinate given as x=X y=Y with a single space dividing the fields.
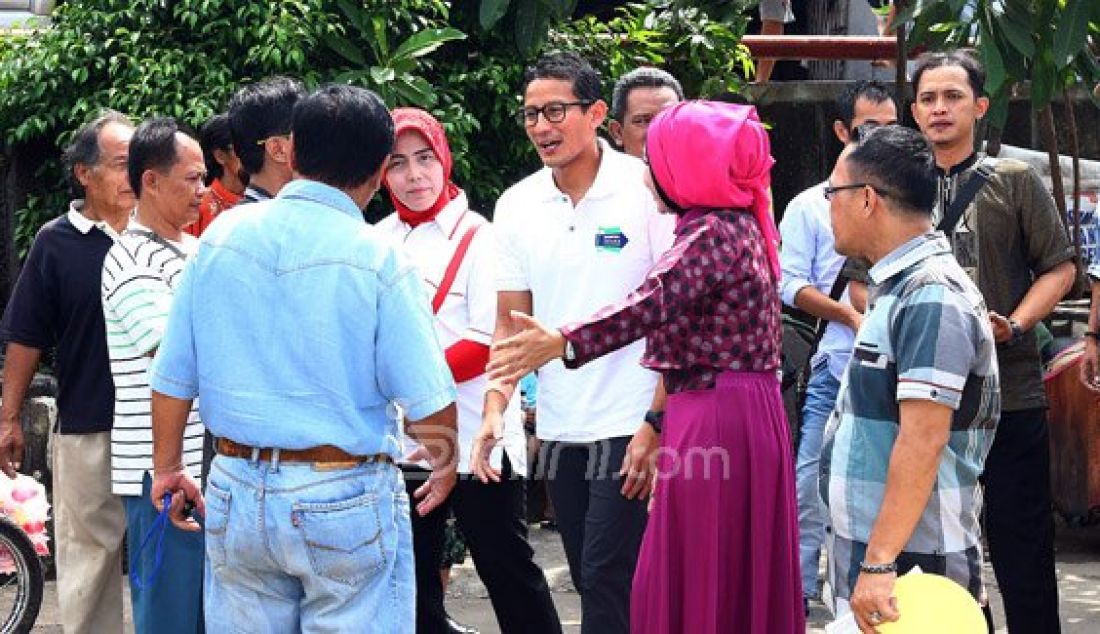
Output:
x=323 y=455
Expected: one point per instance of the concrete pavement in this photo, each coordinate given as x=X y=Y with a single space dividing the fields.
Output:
x=1078 y=565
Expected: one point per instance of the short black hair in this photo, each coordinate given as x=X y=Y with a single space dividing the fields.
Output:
x=215 y=135
x=84 y=148
x=567 y=66
x=259 y=111
x=644 y=77
x=342 y=134
x=153 y=147
x=898 y=162
x=962 y=58
x=871 y=90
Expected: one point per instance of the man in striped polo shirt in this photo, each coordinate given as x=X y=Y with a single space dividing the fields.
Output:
x=166 y=172
x=920 y=400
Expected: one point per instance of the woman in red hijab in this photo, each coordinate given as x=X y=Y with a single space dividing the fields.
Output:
x=452 y=247
x=720 y=552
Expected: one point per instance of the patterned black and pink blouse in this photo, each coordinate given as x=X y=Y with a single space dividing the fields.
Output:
x=709 y=305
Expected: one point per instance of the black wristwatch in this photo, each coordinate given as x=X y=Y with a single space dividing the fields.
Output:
x=656 y=419
x=1017 y=331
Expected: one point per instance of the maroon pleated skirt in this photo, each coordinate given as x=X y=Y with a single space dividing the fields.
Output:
x=720 y=552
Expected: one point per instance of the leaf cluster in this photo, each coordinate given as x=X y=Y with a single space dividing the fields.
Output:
x=185 y=58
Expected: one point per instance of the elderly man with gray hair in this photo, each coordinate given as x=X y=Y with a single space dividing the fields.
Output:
x=56 y=305
x=638 y=96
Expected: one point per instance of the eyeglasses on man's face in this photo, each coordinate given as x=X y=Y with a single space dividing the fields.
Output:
x=554 y=112
x=831 y=191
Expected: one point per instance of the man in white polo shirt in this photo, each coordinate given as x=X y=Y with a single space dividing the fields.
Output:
x=572 y=238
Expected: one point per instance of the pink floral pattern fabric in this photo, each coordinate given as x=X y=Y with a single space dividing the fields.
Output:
x=709 y=305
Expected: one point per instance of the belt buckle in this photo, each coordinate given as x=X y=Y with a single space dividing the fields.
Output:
x=335 y=465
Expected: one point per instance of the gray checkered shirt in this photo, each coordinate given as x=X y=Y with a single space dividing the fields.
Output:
x=926 y=336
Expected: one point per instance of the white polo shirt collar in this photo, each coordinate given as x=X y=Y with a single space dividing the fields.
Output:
x=605 y=185
x=85 y=224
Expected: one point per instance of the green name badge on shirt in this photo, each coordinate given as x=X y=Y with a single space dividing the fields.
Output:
x=610 y=239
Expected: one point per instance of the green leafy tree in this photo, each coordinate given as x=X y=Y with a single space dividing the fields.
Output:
x=530 y=20
x=186 y=57
x=363 y=40
x=699 y=41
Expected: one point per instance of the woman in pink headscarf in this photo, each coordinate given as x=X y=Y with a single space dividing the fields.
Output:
x=720 y=552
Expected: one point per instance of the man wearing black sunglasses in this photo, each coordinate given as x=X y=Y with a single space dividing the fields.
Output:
x=576 y=236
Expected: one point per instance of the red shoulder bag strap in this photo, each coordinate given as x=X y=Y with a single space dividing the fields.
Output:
x=452 y=268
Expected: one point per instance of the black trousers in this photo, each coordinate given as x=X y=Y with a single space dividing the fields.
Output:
x=492 y=519
x=600 y=529
x=1019 y=523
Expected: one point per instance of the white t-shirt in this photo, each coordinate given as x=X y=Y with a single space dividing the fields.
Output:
x=140 y=273
x=575 y=261
x=468 y=312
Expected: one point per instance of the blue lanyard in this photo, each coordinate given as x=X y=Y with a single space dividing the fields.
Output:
x=159 y=527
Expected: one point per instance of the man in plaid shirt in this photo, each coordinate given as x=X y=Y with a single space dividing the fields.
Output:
x=919 y=403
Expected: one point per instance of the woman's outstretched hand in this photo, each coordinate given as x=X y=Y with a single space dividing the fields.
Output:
x=513 y=358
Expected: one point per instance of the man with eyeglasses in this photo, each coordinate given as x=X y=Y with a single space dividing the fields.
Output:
x=259 y=122
x=919 y=402
x=577 y=235
x=810 y=266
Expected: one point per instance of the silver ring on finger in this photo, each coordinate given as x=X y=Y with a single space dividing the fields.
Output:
x=875 y=617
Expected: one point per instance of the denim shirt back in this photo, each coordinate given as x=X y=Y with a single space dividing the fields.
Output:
x=299 y=325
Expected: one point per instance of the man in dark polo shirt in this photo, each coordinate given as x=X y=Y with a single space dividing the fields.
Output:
x=1010 y=240
x=56 y=305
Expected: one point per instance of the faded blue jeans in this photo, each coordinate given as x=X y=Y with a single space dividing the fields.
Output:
x=821 y=393
x=291 y=549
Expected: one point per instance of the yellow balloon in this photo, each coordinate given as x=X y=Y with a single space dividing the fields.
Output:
x=932 y=603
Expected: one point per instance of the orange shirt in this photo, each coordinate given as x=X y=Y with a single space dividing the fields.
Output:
x=216 y=200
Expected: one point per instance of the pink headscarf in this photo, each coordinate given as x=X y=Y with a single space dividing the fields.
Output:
x=714 y=155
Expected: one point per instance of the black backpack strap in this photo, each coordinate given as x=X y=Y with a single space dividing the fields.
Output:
x=839 y=284
x=982 y=172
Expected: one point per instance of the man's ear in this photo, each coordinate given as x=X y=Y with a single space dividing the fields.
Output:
x=149 y=180
x=982 y=104
x=841 y=132
x=616 y=130
x=221 y=157
x=375 y=180
x=280 y=148
x=597 y=113
x=83 y=174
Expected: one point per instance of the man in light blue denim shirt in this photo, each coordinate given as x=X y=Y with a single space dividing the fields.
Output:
x=300 y=327
x=809 y=266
